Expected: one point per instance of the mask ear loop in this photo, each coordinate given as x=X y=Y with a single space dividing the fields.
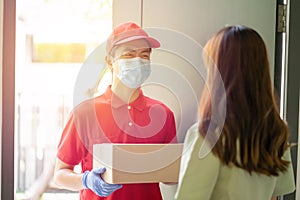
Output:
x=110 y=60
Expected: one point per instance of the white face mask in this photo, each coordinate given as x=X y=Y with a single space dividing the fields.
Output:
x=134 y=71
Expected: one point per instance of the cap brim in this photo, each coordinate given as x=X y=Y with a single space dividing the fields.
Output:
x=151 y=41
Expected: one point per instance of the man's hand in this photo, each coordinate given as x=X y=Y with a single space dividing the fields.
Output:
x=92 y=180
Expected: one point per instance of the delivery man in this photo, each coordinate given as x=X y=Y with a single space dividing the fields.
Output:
x=121 y=115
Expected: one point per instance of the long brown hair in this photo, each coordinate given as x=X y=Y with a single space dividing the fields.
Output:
x=253 y=137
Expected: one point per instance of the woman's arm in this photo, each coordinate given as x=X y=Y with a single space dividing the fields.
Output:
x=66 y=178
x=197 y=177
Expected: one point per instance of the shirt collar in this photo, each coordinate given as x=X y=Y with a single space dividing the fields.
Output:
x=116 y=102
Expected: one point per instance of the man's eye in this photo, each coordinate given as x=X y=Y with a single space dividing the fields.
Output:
x=145 y=56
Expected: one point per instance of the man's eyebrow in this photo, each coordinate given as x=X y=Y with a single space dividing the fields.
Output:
x=128 y=49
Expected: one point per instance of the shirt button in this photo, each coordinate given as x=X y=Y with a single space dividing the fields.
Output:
x=129 y=107
x=130 y=123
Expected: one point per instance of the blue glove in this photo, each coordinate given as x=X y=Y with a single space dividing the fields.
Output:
x=92 y=180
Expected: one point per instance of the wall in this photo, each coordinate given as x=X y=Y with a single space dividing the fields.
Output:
x=183 y=27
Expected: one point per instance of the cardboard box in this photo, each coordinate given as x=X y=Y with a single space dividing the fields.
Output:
x=138 y=163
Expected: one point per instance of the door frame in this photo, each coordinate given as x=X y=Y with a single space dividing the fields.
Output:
x=8 y=99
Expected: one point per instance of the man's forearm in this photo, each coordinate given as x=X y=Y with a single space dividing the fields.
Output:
x=68 y=179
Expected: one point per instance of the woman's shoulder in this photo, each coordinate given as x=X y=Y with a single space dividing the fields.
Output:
x=192 y=133
x=203 y=143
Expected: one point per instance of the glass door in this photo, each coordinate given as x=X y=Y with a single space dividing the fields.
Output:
x=53 y=40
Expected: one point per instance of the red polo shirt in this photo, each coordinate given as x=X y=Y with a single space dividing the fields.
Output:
x=107 y=119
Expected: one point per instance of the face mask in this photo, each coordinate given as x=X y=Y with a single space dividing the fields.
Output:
x=134 y=71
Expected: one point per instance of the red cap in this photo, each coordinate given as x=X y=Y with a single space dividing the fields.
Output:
x=127 y=32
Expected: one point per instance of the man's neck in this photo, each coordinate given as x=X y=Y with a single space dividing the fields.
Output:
x=124 y=93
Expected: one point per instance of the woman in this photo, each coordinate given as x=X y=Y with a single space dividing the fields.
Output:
x=248 y=153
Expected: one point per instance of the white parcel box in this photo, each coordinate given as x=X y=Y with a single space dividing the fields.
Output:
x=138 y=163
